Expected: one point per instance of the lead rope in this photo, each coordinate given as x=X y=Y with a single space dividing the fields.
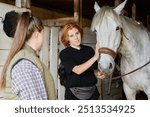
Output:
x=117 y=77
x=109 y=85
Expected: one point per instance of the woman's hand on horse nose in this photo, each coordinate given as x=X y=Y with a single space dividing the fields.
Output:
x=100 y=75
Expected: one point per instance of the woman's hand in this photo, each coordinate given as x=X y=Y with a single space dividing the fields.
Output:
x=99 y=74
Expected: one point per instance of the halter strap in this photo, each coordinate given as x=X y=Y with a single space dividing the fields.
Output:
x=123 y=34
x=107 y=51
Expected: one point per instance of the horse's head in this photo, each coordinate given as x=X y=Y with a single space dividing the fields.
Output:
x=107 y=24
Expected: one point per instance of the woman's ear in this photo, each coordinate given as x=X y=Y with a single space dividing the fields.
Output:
x=36 y=34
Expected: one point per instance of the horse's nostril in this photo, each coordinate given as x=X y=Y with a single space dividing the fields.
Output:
x=110 y=66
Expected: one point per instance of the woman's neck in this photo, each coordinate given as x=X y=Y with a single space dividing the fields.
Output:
x=31 y=45
x=76 y=47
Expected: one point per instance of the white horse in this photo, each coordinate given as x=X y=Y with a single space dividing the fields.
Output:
x=118 y=33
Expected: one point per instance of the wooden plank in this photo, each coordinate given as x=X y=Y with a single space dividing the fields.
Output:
x=7 y=7
x=5 y=42
x=44 y=54
x=76 y=11
x=62 y=21
x=61 y=89
x=117 y=2
x=80 y=13
x=58 y=21
x=3 y=56
x=23 y=3
x=54 y=53
x=134 y=11
x=148 y=21
x=89 y=37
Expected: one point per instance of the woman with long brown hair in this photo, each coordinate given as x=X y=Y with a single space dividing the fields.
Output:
x=24 y=76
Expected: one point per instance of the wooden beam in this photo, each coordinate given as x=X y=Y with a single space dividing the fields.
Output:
x=44 y=53
x=148 y=22
x=80 y=13
x=54 y=39
x=117 y=2
x=23 y=3
x=76 y=11
x=63 y=21
x=57 y=22
x=134 y=11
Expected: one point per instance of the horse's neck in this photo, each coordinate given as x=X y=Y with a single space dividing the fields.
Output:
x=135 y=51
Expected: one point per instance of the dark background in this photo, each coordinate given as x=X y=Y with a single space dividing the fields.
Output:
x=67 y=6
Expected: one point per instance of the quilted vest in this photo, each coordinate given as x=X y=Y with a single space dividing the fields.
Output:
x=29 y=54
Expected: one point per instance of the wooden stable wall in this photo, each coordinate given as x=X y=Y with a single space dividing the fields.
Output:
x=50 y=54
x=49 y=51
x=5 y=42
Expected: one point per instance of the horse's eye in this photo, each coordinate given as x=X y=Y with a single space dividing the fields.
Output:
x=117 y=28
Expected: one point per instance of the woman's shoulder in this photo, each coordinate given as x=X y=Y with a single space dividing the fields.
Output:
x=25 y=64
x=65 y=52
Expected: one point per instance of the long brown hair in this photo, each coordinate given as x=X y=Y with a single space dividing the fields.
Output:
x=25 y=28
x=65 y=29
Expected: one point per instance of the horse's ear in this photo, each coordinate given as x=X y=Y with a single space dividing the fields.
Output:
x=96 y=7
x=119 y=8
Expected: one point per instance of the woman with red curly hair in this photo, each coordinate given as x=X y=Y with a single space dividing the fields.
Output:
x=80 y=62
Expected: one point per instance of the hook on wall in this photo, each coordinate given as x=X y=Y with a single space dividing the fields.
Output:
x=2 y=19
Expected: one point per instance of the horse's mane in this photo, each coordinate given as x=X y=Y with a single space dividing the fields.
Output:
x=136 y=27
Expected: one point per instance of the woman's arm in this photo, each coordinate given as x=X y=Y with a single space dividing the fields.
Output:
x=78 y=69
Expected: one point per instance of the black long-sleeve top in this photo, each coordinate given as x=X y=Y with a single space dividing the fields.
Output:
x=70 y=57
